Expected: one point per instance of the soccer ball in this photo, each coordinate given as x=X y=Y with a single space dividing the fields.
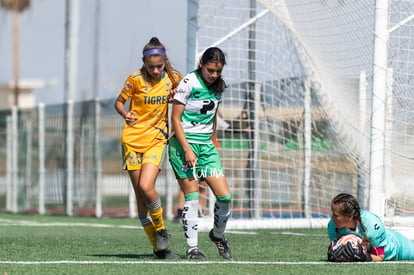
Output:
x=354 y=239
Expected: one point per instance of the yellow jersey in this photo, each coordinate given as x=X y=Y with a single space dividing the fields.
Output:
x=150 y=104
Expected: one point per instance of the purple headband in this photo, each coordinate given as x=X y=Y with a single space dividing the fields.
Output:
x=154 y=51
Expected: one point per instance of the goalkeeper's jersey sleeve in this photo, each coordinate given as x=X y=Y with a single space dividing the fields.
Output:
x=150 y=103
x=375 y=229
x=201 y=104
x=396 y=246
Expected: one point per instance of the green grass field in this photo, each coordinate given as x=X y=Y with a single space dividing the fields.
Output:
x=77 y=245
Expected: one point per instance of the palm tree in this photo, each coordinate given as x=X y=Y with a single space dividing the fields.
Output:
x=16 y=6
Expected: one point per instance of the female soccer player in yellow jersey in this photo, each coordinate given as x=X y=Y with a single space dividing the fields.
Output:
x=145 y=135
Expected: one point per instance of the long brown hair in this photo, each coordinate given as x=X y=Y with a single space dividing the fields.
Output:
x=172 y=73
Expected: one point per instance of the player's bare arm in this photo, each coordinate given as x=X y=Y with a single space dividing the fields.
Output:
x=130 y=117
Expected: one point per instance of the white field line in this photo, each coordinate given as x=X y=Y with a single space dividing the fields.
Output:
x=204 y=226
x=180 y=262
x=299 y=234
x=10 y=222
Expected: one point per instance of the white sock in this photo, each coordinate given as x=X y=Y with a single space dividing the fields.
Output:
x=190 y=223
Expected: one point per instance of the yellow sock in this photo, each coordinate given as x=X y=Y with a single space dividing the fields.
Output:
x=149 y=230
x=157 y=219
x=155 y=210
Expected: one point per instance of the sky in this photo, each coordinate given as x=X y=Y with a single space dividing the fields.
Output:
x=125 y=27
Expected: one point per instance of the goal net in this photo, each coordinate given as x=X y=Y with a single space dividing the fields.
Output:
x=297 y=109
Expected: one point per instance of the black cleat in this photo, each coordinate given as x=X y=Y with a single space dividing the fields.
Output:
x=194 y=254
x=162 y=239
x=221 y=243
x=165 y=254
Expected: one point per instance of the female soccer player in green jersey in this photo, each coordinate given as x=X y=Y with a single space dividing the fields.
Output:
x=383 y=244
x=192 y=152
x=145 y=135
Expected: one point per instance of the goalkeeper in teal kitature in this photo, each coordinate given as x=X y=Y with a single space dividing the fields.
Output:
x=383 y=244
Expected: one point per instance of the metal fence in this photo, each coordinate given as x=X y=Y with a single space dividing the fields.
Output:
x=35 y=173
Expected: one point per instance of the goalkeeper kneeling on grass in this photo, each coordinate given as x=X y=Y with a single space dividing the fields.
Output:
x=383 y=244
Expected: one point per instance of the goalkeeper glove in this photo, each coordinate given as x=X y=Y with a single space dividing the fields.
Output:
x=356 y=253
x=335 y=252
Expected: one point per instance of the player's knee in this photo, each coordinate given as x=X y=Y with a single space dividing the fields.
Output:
x=192 y=196
x=224 y=199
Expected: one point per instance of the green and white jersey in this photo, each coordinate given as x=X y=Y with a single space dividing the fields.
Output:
x=201 y=104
